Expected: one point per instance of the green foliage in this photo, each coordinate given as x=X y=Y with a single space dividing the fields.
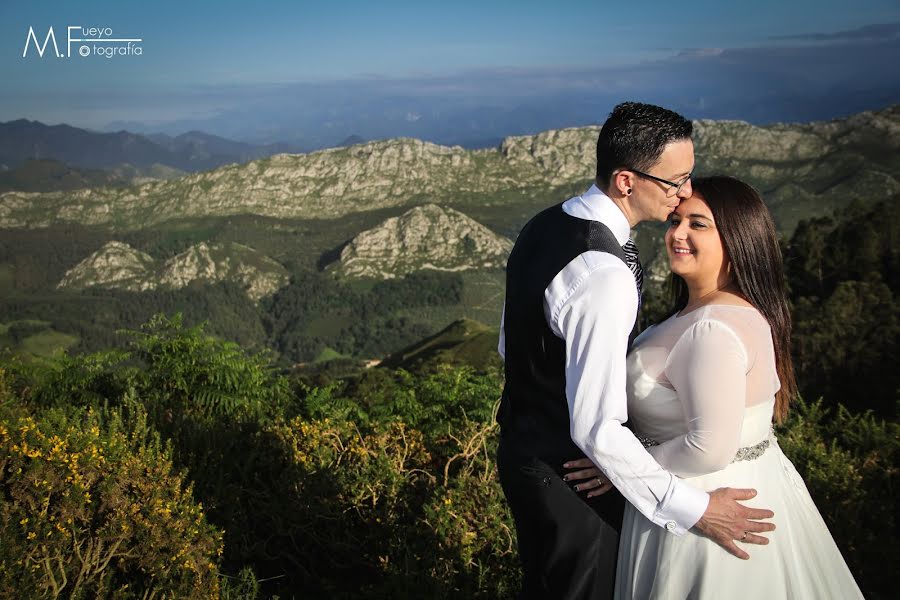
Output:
x=849 y=464
x=844 y=276
x=190 y=373
x=463 y=342
x=470 y=520
x=434 y=403
x=348 y=512
x=841 y=343
x=92 y=507
x=379 y=484
x=95 y=315
x=86 y=381
x=858 y=244
x=316 y=311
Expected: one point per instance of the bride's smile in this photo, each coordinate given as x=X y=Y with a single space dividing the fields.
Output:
x=694 y=246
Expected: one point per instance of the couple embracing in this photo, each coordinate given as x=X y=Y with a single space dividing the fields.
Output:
x=668 y=507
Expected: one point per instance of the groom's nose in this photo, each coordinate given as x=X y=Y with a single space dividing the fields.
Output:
x=686 y=191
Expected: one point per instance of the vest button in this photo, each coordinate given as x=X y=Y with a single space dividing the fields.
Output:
x=546 y=482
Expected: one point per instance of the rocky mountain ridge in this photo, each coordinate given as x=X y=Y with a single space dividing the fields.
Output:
x=425 y=237
x=117 y=265
x=809 y=161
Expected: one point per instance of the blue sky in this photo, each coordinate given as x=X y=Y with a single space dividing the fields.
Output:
x=205 y=63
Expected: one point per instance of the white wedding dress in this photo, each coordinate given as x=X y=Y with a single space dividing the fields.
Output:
x=701 y=391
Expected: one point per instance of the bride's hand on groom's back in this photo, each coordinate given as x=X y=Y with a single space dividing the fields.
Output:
x=727 y=521
x=586 y=477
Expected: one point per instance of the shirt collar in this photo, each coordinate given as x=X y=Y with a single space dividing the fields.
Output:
x=594 y=205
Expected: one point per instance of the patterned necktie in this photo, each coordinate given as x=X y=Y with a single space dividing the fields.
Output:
x=634 y=263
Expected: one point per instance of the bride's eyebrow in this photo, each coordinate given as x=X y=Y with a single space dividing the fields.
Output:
x=699 y=216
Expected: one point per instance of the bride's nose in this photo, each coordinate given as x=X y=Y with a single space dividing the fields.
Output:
x=679 y=232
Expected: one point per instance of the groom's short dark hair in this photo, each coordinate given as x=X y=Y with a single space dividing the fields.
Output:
x=635 y=135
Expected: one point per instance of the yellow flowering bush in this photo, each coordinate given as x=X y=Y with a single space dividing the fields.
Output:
x=329 y=508
x=92 y=507
x=347 y=498
x=474 y=539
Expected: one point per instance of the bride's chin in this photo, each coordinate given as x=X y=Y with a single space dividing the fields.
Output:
x=675 y=269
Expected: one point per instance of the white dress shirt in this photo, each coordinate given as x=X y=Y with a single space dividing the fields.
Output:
x=592 y=305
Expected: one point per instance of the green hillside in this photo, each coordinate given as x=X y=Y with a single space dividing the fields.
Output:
x=462 y=343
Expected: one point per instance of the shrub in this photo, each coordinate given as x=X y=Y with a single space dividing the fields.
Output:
x=338 y=506
x=474 y=543
x=190 y=373
x=848 y=462
x=91 y=507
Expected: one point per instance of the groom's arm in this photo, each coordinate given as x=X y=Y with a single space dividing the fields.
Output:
x=592 y=305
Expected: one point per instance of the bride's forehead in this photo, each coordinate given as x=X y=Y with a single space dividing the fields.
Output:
x=695 y=205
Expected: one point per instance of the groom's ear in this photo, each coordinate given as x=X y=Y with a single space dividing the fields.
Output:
x=622 y=182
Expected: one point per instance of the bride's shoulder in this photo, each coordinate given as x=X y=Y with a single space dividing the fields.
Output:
x=738 y=313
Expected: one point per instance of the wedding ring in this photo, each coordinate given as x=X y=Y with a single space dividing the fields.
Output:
x=744 y=537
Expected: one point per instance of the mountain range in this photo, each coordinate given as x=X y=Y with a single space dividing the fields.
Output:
x=799 y=168
x=308 y=237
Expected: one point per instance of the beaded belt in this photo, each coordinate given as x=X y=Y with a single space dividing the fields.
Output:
x=746 y=453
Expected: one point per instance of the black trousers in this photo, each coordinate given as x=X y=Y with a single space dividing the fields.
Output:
x=567 y=543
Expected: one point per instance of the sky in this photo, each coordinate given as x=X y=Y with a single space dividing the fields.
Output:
x=302 y=70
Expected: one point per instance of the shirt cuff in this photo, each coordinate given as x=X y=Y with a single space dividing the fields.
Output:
x=682 y=507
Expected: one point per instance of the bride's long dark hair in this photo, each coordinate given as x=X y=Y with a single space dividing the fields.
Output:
x=748 y=236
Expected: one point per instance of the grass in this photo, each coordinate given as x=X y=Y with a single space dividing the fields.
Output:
x=328 y=354
x=44 y=343
x=47 y=343
x=463 y=342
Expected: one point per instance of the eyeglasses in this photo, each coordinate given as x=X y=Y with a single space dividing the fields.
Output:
x=674 y=186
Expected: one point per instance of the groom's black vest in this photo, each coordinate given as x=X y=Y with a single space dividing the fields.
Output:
x=534 y=414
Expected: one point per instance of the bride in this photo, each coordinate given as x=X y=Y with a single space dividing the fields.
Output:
x=704 y=387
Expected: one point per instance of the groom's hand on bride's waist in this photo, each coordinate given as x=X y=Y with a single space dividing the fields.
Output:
x=727 y=521
x=585 y=476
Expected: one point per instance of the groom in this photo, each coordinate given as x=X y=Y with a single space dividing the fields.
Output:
x=572 y=295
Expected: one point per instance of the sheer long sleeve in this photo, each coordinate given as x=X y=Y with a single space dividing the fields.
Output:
x=708 y=369
x=592 y=304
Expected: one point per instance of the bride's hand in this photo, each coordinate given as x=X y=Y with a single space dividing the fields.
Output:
x=589 y=477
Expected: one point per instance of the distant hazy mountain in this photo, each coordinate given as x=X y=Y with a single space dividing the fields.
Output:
x=194 y=151
x=352 y=140
x=47 y=175
x=23 y=139
x=199 y=146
